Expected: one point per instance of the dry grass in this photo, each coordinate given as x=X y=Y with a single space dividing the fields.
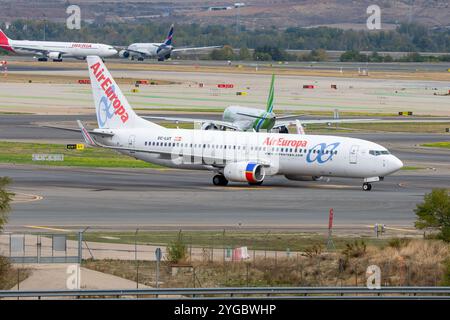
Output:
x=9 y=274
x=407 y=263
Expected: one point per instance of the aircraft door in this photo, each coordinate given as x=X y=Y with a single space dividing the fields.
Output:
x=353 y=156
x=132 y=142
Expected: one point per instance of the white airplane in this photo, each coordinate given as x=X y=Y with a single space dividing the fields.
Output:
x=56 y=50
x=236 y=156
x=162 y=50
x=252 y=119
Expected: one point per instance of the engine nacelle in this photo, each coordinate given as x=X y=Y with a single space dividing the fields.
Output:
x=55 y=55
x=296 y=177
x=124 y=54
x=209 y=126
x=244 y=172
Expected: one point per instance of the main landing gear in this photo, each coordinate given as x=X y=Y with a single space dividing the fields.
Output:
x=219 y=180
x=367 y=186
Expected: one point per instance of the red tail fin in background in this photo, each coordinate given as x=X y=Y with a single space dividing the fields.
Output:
x=4 y=42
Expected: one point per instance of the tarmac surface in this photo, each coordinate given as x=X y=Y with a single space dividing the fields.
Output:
x=129 y=198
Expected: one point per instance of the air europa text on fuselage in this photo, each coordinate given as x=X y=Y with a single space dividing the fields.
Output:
x=105 y=84
x=283 y=142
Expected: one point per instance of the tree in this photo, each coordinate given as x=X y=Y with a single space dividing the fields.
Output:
x=5 y=199
x=225 y=53
x=434 y=212
x=353 y=56
x=244 y=54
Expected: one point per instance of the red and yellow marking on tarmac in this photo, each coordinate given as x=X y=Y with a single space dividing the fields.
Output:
x=48 y=228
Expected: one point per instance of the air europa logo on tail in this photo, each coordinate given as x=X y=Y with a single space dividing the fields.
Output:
x=114 y=101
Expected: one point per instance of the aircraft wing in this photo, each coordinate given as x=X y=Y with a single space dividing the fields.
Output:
x=195 y=48
x=321 y=121
x=215 y=122
x=138 y=52
x=103 y=134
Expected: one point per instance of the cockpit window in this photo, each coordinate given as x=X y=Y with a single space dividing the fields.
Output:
x=378 y=152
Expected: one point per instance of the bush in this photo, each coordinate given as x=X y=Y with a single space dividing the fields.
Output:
x=355 y=249
x=434 y=212
x=5 y=267
x=5 y=199
x=398 y=243
x=177 y=250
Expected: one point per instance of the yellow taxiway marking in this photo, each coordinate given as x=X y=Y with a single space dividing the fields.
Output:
x=47 y=228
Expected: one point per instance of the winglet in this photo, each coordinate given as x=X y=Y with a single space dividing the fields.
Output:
x=269 y=106
x=300 y=128
x=87 y=137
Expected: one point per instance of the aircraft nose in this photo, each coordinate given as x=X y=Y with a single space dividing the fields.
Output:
x=396 y=163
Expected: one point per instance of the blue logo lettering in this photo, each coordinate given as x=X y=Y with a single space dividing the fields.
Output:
x=104 y=110
x=321 y=152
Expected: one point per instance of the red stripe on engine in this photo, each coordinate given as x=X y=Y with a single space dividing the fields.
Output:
x=249 y=176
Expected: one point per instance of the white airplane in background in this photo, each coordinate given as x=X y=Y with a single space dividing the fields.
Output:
x=237 y=156
x=162 y=50
x=253 y=119
x=56 y=50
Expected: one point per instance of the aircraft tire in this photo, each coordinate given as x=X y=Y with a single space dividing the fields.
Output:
x=256 y=183
x=219 y=180
x=367 y=187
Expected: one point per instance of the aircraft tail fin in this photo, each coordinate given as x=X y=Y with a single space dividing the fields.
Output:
x=5 y=41
x=269 y=106
x=168 y=40
x=112 y=108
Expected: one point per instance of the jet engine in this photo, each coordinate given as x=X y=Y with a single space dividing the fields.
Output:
x=55 y=55
x=124 y=54
x=209 y=126
x=296 y=177
x=250 y=172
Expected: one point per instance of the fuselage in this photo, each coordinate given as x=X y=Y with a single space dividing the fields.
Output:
x=249 y=118
x=65 y=49
x=309 y=155
x=150 y=49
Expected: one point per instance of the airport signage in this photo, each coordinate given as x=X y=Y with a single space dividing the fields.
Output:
x=225 y=85
x=47 y=157
x=78 y=146
x=158 y=254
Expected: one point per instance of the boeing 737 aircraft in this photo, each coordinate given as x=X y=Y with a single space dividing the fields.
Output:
x=236 y=156
x=56 y=50
x=162 y=51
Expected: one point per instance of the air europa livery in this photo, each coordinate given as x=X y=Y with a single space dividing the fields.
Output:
x=236 y=156
x=109 y=99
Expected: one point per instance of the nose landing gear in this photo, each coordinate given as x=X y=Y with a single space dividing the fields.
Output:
x=367 y=186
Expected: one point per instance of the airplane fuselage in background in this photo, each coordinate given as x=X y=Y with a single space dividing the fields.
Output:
x=56 y=50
